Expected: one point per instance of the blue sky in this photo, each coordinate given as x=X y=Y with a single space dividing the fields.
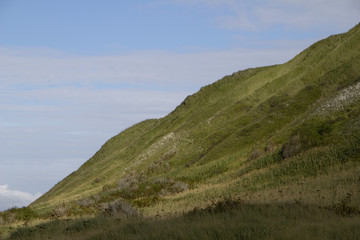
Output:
x=75 y=73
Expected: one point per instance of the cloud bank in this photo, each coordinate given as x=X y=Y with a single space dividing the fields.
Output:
x=11 y=198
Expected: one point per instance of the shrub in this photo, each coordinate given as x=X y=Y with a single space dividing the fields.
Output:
x=128 y=183
x=292 y=147
x=59 y=211
x=159 y=166
x=120 y=209
x=25 y=214
x=311 y=133
x=180 y=186
x=17 y=214
x=85 y=202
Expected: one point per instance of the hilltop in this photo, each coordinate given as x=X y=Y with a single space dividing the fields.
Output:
x=279 y=134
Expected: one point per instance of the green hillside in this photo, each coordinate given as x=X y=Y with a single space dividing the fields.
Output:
x=281 y=133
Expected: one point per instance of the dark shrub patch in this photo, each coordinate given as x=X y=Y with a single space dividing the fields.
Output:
x=311 y=133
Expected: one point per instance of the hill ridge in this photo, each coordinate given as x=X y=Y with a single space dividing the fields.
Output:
x=251 y=125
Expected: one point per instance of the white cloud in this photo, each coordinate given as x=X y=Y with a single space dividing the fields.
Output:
x=294 y=14
x=136 y=69
x=11 y=198
x=310 y=14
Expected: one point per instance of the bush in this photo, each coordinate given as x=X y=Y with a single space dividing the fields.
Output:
x=59 y=211
x=17 y=214
x=120 y=209
x=128 y=183
x=310 y=134
x=25 y=214
x=292 y=147
x=85 y=202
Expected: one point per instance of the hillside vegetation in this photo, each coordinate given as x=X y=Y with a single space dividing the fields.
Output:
x=268 y=138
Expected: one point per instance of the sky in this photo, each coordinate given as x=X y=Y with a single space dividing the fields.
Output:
x=75 y=73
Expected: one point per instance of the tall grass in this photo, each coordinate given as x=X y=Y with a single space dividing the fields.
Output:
x=222 y=220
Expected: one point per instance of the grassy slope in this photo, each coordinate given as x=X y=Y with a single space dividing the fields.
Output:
x=233 y=138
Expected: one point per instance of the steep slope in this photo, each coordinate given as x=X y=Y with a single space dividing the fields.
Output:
x=252 y=132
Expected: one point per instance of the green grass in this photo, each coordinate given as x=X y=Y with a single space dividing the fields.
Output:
x=221 y=220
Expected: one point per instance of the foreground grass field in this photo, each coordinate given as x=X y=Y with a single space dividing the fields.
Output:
x=222 y=220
